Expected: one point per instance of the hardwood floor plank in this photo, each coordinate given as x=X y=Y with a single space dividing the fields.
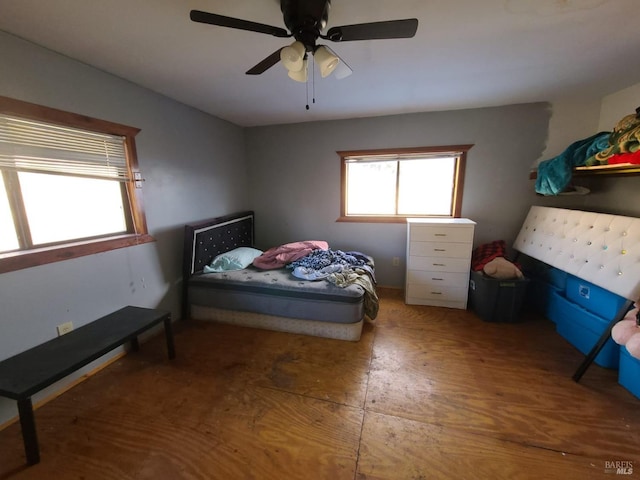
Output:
x=427 y=393
x=321 y=368
x=394 y=448
x=413 y=378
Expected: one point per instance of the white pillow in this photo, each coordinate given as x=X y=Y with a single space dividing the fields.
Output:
x=235 y=259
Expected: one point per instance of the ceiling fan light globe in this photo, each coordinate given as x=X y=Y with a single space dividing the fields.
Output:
x=327 y=61
x=300 y=75
x=292 y=57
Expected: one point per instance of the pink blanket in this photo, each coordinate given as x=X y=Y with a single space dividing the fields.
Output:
x=278 y=257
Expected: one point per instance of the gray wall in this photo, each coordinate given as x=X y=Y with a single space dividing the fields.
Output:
x=294 y=175
x=194 y=166
x=608 y=194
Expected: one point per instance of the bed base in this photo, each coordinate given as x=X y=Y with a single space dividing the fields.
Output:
x=339 y=331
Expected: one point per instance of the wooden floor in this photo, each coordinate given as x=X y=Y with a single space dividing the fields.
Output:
x=427 y=393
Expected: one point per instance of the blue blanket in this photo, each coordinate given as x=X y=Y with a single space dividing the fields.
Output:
x=554 y=175
x=320 y=263
x=341 y=269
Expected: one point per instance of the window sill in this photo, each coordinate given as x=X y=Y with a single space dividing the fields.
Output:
x=13 y=261
x=385 y=219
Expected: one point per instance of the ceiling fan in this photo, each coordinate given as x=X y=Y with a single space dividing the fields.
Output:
x=305 y=20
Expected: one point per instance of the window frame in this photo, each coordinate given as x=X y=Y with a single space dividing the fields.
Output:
x=20 y=259
x=458 y=187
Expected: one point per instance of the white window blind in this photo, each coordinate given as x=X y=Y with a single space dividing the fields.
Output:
x=34 y=146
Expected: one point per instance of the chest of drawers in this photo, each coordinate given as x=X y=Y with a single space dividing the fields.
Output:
x=438 y=261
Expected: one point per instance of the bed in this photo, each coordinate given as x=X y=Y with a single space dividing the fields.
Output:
x=270 y=299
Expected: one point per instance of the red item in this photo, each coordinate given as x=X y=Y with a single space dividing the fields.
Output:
x=278 y=257
x=633 y=158
x=486 y=252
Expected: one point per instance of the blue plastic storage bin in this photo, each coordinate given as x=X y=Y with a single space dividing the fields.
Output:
x=537 y=270
x=594 y=298
x=556 y=277
x=540 y=299
x=629 y=372
x=582 y=329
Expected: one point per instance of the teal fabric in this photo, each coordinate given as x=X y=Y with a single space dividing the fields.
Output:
x=554 y=175
x=236 y=259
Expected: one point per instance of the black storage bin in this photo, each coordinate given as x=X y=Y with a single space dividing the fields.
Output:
x=496 y=300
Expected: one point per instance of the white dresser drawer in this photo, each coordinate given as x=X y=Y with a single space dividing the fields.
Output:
x=434 y=302
x=445 y=294
x=439 y=279
x=439 y=264
x=433 y=249
x=442 y=233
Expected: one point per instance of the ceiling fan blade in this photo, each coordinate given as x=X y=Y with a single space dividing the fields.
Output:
x=222 y=21
x=265 y=64
x=374 y=31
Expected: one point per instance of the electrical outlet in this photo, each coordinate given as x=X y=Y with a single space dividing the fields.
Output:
x=395 y=261
x=64 y=328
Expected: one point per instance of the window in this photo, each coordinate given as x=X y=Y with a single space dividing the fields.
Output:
x=393 y=184
x=67 y=186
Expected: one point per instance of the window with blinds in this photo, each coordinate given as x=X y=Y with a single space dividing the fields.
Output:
x=391 y=185
x=66 y=181
x=32 y=146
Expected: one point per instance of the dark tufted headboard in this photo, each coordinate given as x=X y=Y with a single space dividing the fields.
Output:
x=208 y=238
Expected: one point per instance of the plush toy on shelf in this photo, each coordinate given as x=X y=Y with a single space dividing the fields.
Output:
x=627 y=332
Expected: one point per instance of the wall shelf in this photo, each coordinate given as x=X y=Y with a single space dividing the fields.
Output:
x=617 y=169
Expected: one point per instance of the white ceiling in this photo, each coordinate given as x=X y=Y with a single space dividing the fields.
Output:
x=466 y=53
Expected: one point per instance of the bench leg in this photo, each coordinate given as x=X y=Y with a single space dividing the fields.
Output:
x=29 y=436
x=168 y=331
x=135 y=344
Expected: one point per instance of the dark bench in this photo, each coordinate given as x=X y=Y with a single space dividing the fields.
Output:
x=28 y=372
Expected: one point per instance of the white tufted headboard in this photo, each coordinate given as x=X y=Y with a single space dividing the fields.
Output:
x=600 y=248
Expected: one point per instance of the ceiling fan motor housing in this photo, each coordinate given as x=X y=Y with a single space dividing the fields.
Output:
x=305 y=19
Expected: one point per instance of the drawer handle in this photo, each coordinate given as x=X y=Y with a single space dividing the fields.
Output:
x=439 y=279
x=440 y=234
x=436 y=293
x=439 y=265
x=439 y=249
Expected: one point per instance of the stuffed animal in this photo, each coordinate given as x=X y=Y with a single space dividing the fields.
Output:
x=627 y=332
x=491 y=258
x=502 y=269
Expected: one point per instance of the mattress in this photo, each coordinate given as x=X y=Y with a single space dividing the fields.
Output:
x=277 y=293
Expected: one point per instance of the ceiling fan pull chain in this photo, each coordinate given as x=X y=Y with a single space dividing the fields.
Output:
x=307 y=82
x=313 y=85
x=307 y=89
